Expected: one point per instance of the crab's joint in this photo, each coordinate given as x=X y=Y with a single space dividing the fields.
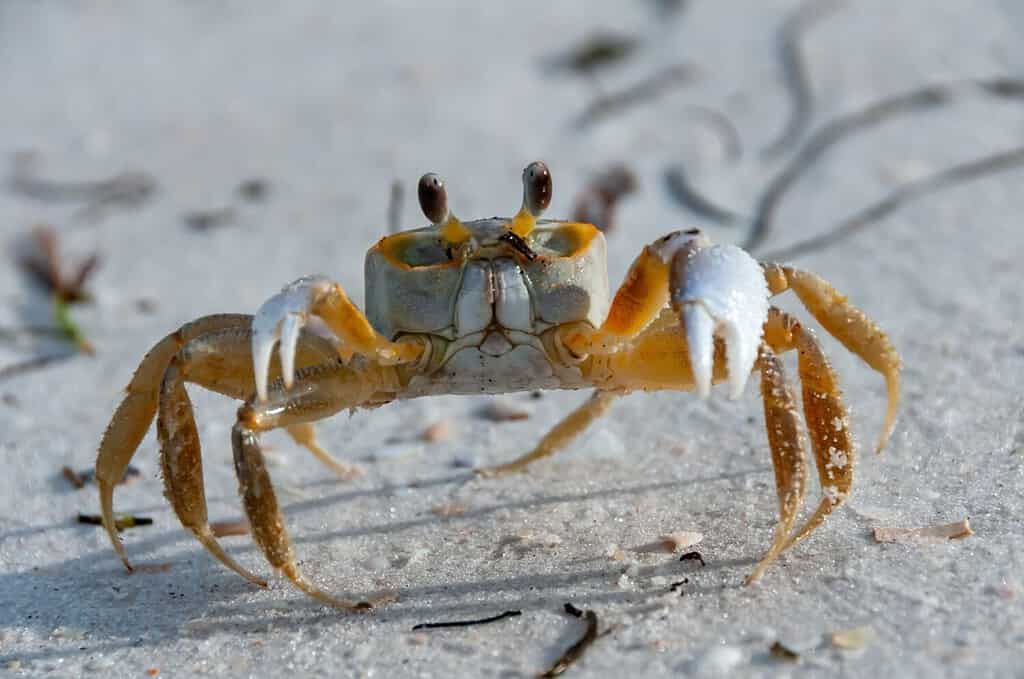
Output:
x=453 y=232
x=518 y=244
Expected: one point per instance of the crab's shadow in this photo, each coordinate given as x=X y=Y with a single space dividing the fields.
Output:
x=93 y=597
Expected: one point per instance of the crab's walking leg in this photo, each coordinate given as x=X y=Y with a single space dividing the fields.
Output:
x=318 y=391
x=282 y=316
x=785 y=438
x=133 y=416
x=212 y=351
x=305 y=435
x=849 y=325
x=182 y=465
x=828 y=424
x=560 y=436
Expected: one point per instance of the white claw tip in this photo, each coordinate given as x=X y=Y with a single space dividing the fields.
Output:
x=728 y=287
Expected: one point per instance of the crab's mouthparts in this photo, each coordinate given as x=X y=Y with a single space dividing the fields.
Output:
x=518 y=244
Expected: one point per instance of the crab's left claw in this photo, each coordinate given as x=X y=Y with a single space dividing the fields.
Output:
x=280 y=319
x=719 y=291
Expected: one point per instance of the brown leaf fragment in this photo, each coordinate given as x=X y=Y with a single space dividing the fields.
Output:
x=783 y=653
x=598 y=201
x=576 y=651
x=121 y=521
x=74 y=479
x=926 y=535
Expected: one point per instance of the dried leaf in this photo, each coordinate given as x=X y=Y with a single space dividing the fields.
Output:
x=781 y=652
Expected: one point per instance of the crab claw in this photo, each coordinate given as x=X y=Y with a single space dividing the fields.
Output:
x=281 y=318
x=719 y=291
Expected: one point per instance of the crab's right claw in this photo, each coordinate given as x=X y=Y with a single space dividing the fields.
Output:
x=719 y=291
x=281 y=318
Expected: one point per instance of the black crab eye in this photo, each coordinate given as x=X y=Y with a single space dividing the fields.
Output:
x=433 y=198
x=536 y=188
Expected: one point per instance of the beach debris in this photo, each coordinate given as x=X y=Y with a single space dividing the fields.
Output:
x=852 y=639
x=678 y=586
x=121 y=521
x=73 y=478
x=42 y=261
x=598 y=201
x=504 y=411
x=576 y=651
x=694 y=556
x=782 y=652
x=87 y=476
x=467 y=623
x=682 y=190
x=207 y=220
x=641 y=91
x=595 y=52
x=841 y=128
x=908 y=192
x=673 y=542
x=254 y=190
x=437 y=432
x=222 y=529
x=395 y=199
x=795 y=72
x=129 y=189
x=928 y=534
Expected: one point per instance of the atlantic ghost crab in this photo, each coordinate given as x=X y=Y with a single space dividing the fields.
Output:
x=493 y=306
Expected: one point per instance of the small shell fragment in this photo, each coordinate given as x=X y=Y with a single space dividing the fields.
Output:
x=673 y=542
x=852 y=639
x=227 y=528
x=927 y=534
x=439 y=431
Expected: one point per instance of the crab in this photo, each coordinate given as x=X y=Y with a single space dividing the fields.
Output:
x=492 y=306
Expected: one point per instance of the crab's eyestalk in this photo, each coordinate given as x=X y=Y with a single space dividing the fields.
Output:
x=433 y=197
x=536 y=188
x=536 y=198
